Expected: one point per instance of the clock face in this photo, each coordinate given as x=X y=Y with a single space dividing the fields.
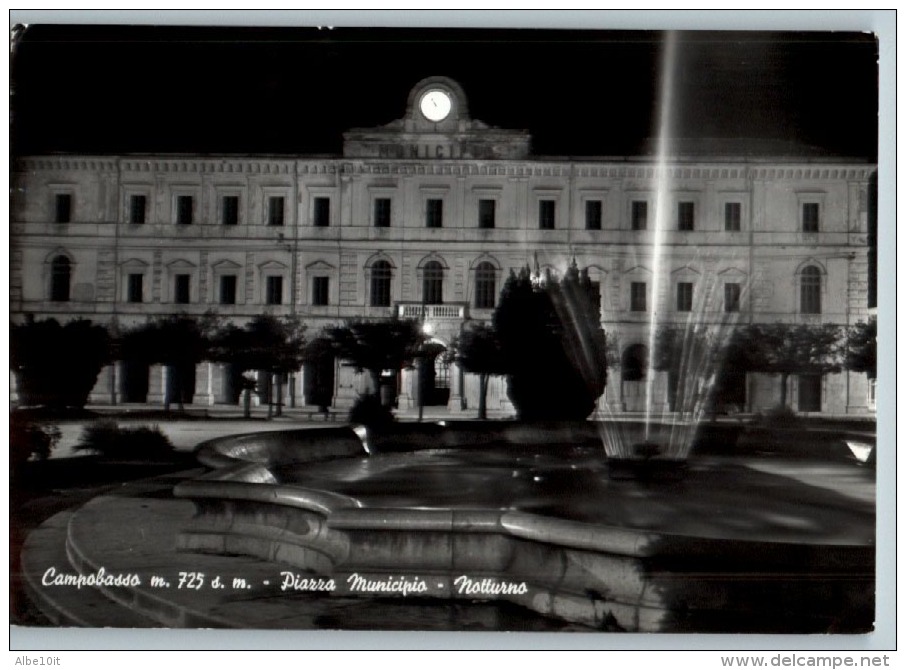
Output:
x=436 y=105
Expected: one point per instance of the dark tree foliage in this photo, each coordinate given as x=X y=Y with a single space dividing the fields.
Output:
x=862 y=348
x=267 y=343
x=478 y=351
x=793 y=349
x=179 y=342
x=554 y=349
x=375 y=346
x=57 y=366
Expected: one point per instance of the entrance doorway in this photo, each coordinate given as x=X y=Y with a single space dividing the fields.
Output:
x=133 y=381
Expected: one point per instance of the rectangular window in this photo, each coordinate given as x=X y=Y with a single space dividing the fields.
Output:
x=276 y=206
x=184 y=209
x=134 y=287
x=181 y=289
x=382 y=212
x=810 y=213
x=592 y=215
x=684 y=296
x=486 y=212
x=731 y=297
x=228 y=289
x=230 y=213
x=685 y=213
x=546 y=215
x=63 y=208
x=138 y=205
x=320 y=291
x=733 y=217
x=322 y=212
x=273 y=290
x=639 y=215
x=434 y=213
x=637 y=296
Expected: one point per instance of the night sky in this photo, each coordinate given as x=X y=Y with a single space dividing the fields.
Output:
x=579 y=93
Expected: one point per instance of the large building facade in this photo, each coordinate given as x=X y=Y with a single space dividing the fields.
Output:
x=425 y=218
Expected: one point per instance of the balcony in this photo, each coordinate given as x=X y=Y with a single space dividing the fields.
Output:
x=447 y=312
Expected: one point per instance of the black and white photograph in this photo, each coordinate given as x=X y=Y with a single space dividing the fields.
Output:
x=331 y=328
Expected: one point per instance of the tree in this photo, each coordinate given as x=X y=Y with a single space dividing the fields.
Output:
x=862 y=348
x=268 y=344
x=375 y=346
x=554 y=348
x=56 y=365
x=478 y=351
x=178 y=342
x=794 y=349
x=687 y=354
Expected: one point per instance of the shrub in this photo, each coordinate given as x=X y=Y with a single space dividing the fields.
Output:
x=29 y=441
x=369 y=412
x=781 y=416
x=112 y=441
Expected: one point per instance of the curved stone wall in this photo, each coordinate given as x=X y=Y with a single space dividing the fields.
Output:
x=597 y=575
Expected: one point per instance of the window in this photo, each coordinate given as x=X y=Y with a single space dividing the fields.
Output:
x=731 y=297
x=733 y=217
x=138 y=205
x=60 y=277
x=230 y=212
x=485 y=286
x=181 y=285
x=434 y=213
x=381 y=274
x=639 y=215
x=809 y=393
x=275 y=210
x=486 y=211
x=546 y=216
x=273 y=290
x=184 y=206
x=322 y=213
x=320 y=291
x=63 y=208
x=382 y=212
x=227 y=289
x=810 y=290
x=685 y=213
x=433 y=286
x=684 y=296
x=592 y=215
x=810 y=215
x=134 y=287
x=637 y=296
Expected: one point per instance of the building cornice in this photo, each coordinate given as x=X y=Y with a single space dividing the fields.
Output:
x=525 y=168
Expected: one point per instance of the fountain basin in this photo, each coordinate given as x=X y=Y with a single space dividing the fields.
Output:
x=536 y=518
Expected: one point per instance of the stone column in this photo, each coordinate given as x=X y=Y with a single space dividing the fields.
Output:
x=157 y=382
x=455 y=403
x=408 y=390
x=345 y=393
x=104 y=391
x=204 y=388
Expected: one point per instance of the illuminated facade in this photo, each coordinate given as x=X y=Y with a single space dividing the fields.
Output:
x=426 y=216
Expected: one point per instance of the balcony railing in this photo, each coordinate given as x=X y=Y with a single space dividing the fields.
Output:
x=416 y=310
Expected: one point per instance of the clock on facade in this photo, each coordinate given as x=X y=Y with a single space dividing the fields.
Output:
x=436 y=105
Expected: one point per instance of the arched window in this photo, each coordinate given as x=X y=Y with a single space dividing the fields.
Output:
x=433 y=286
x=810 y=290
x=381 y=274
x=485 y=286
x=60 y=276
